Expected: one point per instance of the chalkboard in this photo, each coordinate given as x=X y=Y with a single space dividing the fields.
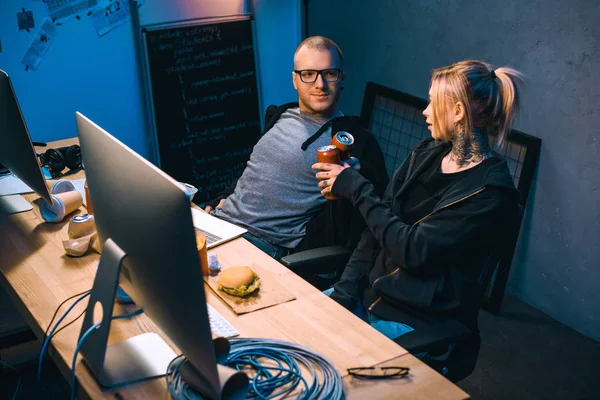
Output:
x=205 y=104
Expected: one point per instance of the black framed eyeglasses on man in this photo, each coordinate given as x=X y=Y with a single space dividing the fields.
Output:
x=310 y=75
x=378 y=372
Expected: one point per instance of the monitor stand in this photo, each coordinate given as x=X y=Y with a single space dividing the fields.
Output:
x=13 y=204
x=133 y=360
x=11 y=188
x=144 y=356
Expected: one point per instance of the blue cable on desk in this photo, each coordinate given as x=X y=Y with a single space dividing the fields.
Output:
x=277 y=378
x=121 y=297
x=80 y=343
x=49 y=337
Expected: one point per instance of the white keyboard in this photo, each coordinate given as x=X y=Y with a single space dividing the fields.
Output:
x=219 y=326
x=79 y=187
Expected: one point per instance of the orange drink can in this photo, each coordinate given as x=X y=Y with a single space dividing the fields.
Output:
x=329 y=155
x=201 y=246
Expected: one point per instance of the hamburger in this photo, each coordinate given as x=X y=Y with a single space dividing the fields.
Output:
x=239 y=281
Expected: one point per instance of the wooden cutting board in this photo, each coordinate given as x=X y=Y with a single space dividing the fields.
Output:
x=271 y=292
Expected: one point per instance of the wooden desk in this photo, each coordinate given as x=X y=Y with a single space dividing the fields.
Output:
x=39 y=276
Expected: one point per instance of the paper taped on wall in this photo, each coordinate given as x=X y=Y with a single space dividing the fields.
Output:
x=40 y=44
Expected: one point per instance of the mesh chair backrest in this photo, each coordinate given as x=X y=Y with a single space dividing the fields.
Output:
x=396 y=119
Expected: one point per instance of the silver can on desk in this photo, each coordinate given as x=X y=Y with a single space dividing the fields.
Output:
x=81 y=225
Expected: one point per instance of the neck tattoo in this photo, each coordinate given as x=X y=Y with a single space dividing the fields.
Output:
x=469 y=148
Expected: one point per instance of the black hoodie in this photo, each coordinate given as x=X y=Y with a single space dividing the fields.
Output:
x=429 y=269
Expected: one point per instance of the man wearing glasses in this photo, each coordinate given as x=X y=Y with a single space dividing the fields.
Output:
x=276 y=197
x=319 y=80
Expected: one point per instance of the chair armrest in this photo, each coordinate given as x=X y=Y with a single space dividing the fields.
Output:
x=322 y=259
x=431 y=337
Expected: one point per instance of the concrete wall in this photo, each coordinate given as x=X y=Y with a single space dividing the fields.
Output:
x=99 y=75
x=555 y=43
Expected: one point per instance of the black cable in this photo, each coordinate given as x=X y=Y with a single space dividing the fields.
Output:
x=79 y=316
x=58 y=308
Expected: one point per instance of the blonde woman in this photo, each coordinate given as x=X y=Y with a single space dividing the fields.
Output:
x=443 y=210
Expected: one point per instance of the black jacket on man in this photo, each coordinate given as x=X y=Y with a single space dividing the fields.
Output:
x=421 y=273
x=338 y=222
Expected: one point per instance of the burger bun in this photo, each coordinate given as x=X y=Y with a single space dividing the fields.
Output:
x=234 y=277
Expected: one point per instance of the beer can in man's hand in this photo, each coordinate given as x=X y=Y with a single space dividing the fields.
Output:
x=329 y=155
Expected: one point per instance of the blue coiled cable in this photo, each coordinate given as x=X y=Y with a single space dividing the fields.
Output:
x=276 y=365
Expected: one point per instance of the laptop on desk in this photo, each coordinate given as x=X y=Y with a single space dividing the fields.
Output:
x=217 y=230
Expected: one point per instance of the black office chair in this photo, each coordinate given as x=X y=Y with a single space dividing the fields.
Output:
x=451 y=346
x=322 y=266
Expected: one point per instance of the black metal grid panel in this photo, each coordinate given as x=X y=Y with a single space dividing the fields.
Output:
x=399 y=128
x=514 y=154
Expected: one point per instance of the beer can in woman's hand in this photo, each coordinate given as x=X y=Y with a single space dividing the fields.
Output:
x=343 y=141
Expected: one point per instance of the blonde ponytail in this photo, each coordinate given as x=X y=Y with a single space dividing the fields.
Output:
x=508 y=93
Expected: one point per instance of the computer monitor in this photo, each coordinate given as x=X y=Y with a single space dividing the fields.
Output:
x=144 y=221
x=16 y=150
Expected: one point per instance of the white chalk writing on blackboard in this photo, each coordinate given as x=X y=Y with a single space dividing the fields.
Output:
x=204 y=132
x=219 y=179
x=197 y=40
x=231 y=50
x=199 y=140
x=224 y=178
x=202 y=162
x=200 y=118
x=222 y=78
x=195 y=101
x=225 y=95
x=192 y=66
x=240 y=125
x=183 y=50
x=213 y=30
x=170 y=35
x=238 y=153
x=199 y=56
x=205 y=99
